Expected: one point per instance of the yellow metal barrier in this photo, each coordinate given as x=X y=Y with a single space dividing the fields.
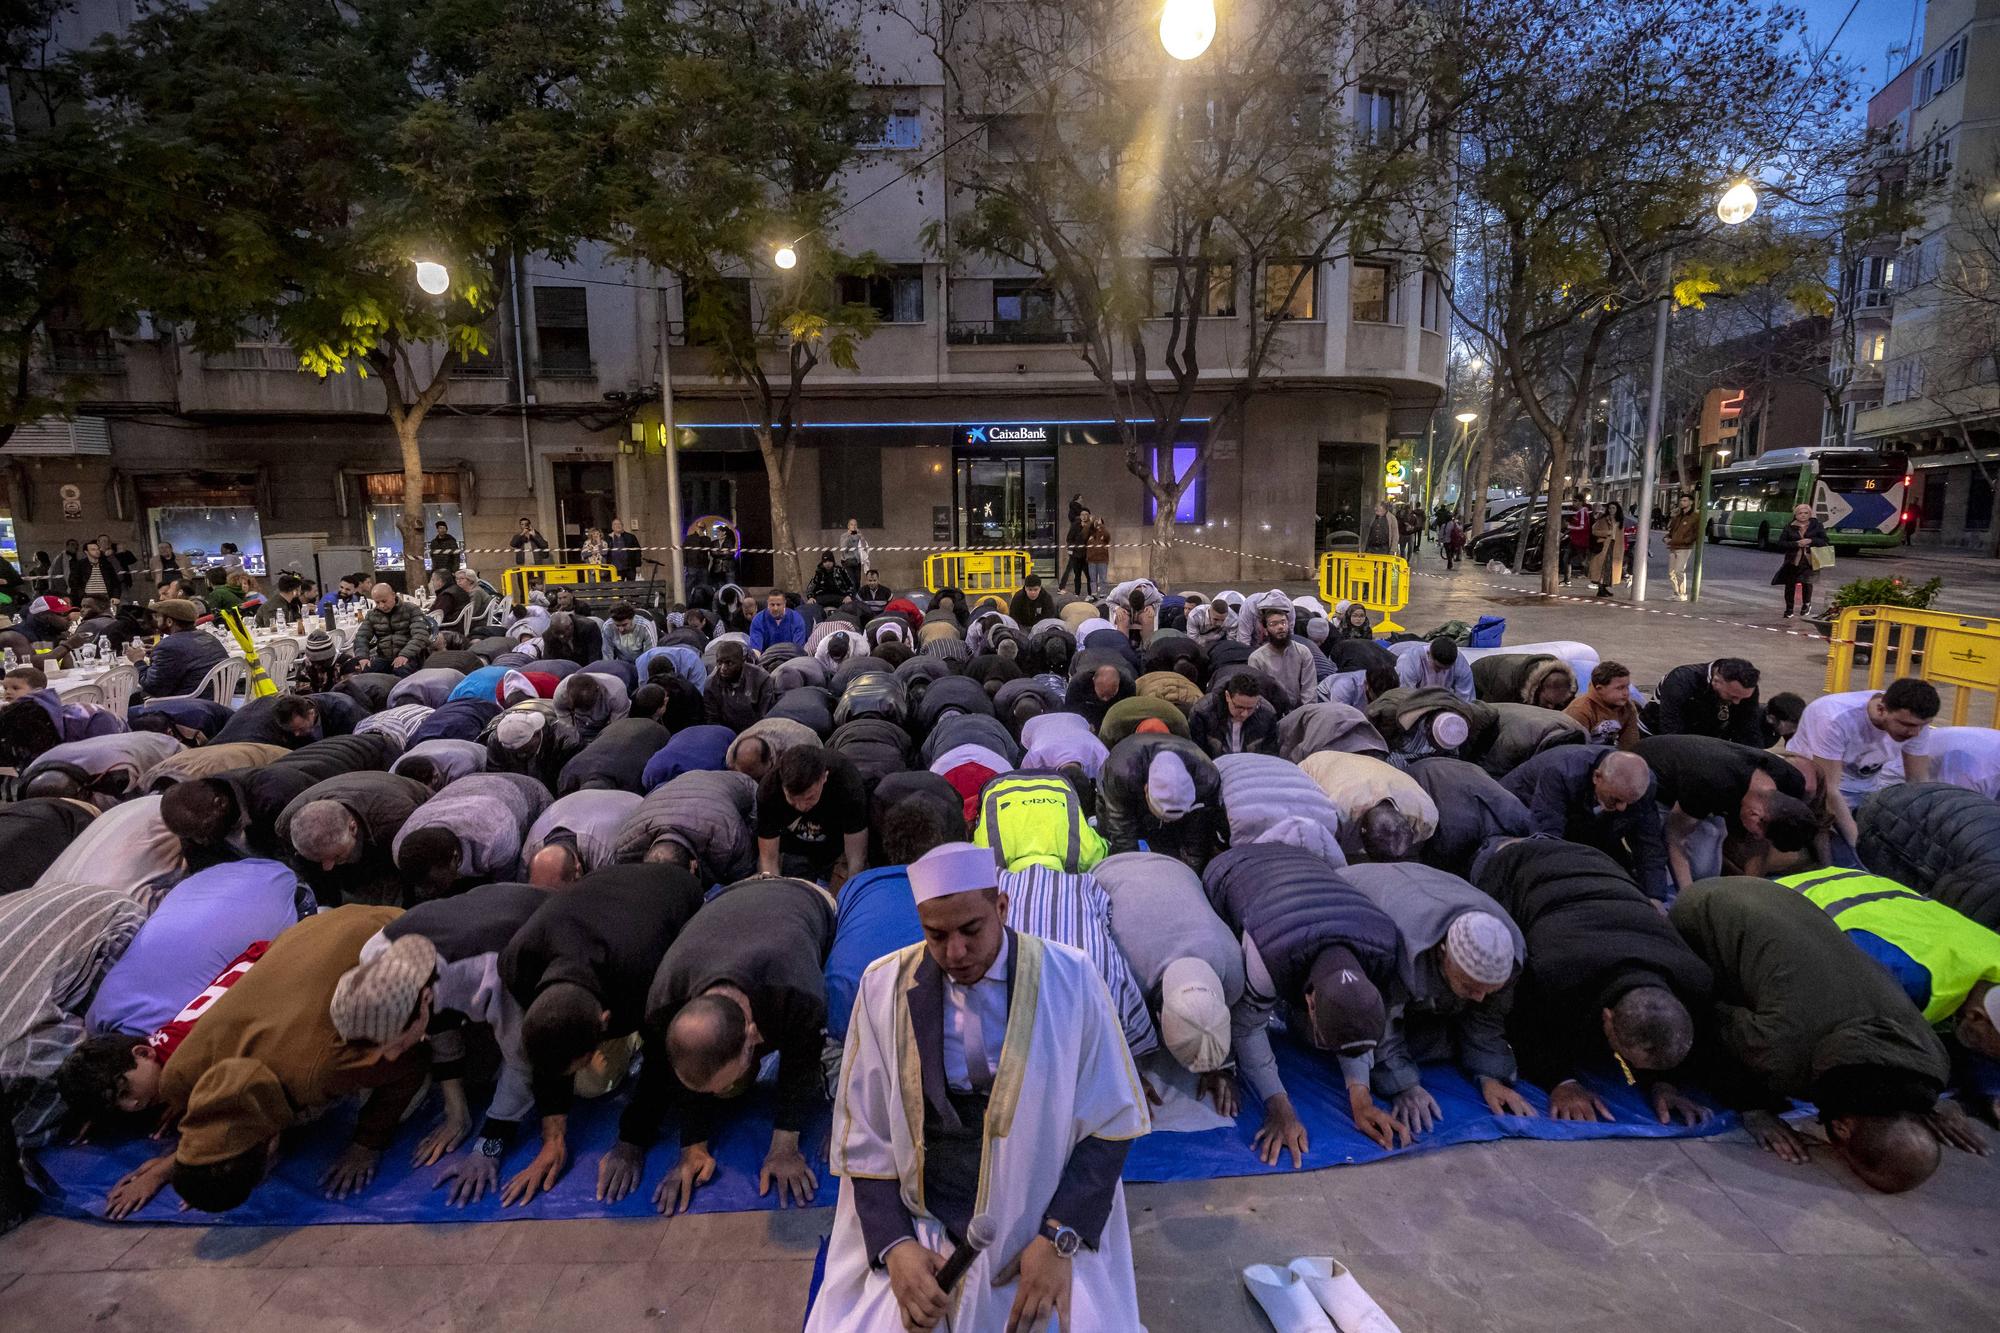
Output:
x=1379 y=582
x=517 y=582
x=1937 y=646
x=974 y=572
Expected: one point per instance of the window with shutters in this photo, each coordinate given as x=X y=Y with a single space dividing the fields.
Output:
x=562 y=331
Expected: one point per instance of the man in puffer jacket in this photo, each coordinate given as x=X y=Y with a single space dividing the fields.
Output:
x=393 y=636
x=1606 y=975
x=1319 y=946
x=1262 y=792
x=700 y=821
x=1939 y=839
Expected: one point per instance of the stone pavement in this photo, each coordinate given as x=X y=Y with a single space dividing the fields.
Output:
x=1599 y=1237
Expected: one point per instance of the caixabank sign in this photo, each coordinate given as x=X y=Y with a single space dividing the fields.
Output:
x=1010 y=435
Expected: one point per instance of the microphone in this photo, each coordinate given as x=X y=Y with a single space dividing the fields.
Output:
x=979 y=1233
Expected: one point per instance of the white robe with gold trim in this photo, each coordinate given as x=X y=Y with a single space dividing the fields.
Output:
x=1065 y=1075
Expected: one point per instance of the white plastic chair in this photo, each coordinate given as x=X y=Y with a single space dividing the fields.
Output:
x=280 y=656
x=118 y=685
x=90 y=693
x=219 y=684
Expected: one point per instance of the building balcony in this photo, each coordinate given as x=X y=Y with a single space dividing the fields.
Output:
x=83 y=354
x=1013 y=332
x=565 y=368
x=253 y=356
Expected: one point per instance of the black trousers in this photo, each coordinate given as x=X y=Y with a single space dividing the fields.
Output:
x=1080 y=568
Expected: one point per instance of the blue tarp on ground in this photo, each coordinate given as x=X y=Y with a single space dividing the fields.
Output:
x=77 y=1179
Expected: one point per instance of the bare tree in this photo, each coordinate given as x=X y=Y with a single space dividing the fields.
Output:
x=1175 y=218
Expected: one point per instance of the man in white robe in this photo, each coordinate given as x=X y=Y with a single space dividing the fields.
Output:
x=985 y=1074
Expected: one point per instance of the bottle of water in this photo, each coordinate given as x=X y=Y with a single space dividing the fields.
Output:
x=7 y=661
x=104 y=647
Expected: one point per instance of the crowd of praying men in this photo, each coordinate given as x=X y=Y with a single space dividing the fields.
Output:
x=559 y=854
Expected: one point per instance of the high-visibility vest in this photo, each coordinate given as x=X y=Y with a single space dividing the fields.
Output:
x=1037 y=820
x=1937 y=954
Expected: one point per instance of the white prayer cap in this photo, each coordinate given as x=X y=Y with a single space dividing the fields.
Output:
x=1449 y=730
x=1194 y=1016
x=1480 y=943
x=1992 y=1005
x=953 y=867
x=1170 y=792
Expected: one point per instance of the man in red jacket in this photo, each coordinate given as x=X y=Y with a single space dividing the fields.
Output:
x=1576 y=532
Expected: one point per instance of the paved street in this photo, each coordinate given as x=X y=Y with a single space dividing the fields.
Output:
x=1598 y=1237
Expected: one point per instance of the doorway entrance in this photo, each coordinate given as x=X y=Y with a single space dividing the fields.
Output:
x=731 y=485
x=586 y=497
x=1009 y=501
x=1341 y=495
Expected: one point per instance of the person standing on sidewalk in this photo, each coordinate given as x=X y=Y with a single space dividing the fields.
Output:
x=1451 y=540
x=1575 y=550
x=1802 y=538
x=1078 y=541
x=1607 y=549
x=1382 y=537
x=1683 y=531
x=854 y=556
x=1098 y=549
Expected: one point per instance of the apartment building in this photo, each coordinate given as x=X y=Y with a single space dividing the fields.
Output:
x=1911 y=383
x=969 y=420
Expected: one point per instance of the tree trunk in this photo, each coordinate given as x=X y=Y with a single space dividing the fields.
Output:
x=785 y=565
x=412 y=521
x=1159 y=556
x=1552 y=527
x=1478 y=472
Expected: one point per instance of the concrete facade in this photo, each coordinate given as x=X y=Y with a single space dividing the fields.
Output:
x=1909 y=382
x=532 y=435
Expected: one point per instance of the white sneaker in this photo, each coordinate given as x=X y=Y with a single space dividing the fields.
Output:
x=1287 y=1303
x=1333 y=1286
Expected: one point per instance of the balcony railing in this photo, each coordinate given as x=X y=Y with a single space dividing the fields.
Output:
x=480 y=368
x=566 y=368
x=253 y=356
x=1013 y=332
x=85 y=361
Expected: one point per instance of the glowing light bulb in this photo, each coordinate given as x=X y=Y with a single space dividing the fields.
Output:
x=786 y=257
x=1738 y=202
x=1466 y=418
x=1187 y=27
x=433 y=277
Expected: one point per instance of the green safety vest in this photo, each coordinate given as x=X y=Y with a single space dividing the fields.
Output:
x=1037 y=821
x=1957 y=952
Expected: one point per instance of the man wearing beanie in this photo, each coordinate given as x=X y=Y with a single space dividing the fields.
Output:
x=1191 y=969
x=1163 y=791
x=267 y=1055
x=1319 y=945
x=1455 y=984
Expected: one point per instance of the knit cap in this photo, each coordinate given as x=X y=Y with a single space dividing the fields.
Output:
x=1482 y=946
x=373 y=1001
x=1169 y=790
x=1194 y=1016
x=319 y=646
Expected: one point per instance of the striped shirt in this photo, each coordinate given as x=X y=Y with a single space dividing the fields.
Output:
x=1073 y=910
x=56 y=943
x=401 y=721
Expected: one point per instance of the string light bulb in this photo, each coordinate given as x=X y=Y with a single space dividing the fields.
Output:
x=433 y=277
x=1187 y=27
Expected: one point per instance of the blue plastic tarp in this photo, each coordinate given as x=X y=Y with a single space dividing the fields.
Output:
x=78 y=1179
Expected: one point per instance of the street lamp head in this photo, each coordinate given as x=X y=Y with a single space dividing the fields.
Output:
x=1722 y=453
x=1187 y=27
x=786 y=257
x=1738 y=202
x=433 y=277
x=1466 y=418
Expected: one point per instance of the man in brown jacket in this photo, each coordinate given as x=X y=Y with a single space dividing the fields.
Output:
x=1683 y=531
x=265 y=1056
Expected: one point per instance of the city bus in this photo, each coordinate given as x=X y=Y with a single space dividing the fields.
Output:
x=1858 y=493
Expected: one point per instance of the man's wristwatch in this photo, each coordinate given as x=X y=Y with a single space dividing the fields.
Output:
x=492 y=1147
x=1064 y=1238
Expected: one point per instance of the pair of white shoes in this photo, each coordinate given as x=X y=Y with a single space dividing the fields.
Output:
x=1315 y=1295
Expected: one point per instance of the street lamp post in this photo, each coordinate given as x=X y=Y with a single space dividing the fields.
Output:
x=1701 y=534
x=1735 y=208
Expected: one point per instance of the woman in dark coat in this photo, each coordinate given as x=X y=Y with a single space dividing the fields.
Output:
x=1801 y=537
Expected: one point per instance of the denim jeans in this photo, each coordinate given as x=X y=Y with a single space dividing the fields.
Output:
x=1098 y=570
